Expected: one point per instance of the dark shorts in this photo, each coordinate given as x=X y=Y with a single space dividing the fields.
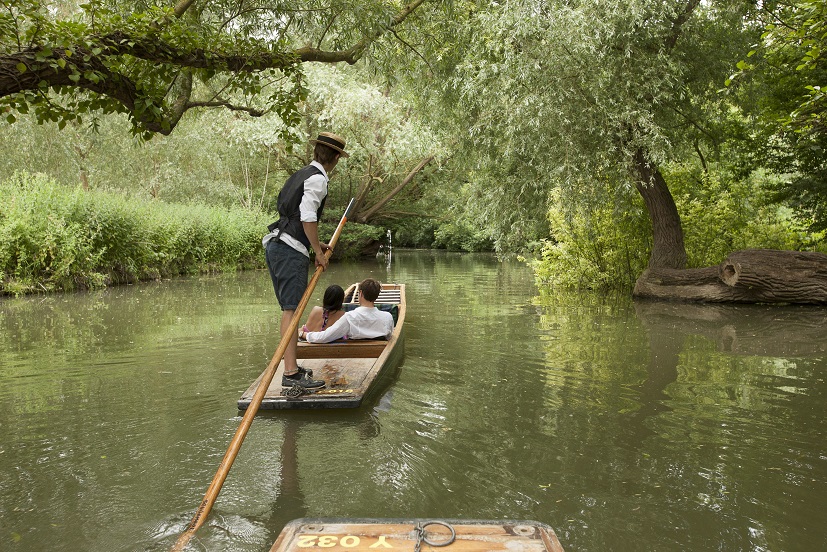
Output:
x=288 y=270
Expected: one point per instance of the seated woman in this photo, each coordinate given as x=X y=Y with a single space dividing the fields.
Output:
x=321 y=318
x=365 y=322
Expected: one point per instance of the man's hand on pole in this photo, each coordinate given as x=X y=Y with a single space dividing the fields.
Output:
x=311 y=230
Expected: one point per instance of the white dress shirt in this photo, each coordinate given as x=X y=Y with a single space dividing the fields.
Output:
x=360 y=323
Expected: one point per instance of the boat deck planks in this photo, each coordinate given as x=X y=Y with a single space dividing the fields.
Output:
x=345 y=374
x=401 y=535
x=349 y=368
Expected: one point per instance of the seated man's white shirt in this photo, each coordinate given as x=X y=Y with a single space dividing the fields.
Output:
x=360 y=323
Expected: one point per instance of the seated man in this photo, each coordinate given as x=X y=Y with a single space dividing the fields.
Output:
x=365 y=322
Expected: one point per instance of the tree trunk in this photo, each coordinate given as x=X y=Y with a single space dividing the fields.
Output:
x=370 y=213
x=668 y=250
x=748 y=276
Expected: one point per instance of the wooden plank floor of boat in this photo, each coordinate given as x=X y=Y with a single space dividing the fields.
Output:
x=343 y=378
x=393 y=534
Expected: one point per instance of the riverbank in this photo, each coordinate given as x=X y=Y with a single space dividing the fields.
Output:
x=58 y=238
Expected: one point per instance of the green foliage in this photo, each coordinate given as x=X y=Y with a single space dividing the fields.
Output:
x=413 y=232
x=385 y=140
x=196 y=163
x=462 y=235
x=355 y=237
x=723 y=214
x=604 y=246
x=100 y=58
x=599 y=247
x=107 y=56
x=780 y=86
x=226 y=159
x=561 y=95
x=53 y=237
x=795 y=38
x=527 y=109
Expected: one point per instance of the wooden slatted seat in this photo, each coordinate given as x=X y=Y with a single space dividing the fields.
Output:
x=354 y=348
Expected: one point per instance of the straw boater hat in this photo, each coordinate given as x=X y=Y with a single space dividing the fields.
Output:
x=332 y=141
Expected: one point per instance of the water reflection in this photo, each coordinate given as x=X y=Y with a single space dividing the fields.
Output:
x=623 y=425
x=699 y=409
x=276 y=494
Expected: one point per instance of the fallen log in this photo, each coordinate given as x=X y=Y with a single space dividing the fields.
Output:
x=748 y=276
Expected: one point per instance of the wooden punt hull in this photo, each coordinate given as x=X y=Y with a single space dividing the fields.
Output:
x=351 y=370
x=404 y=535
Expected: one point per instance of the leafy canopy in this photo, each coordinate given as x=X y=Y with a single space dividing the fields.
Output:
x=154 y=63
x=785 y=75
x=560 y=95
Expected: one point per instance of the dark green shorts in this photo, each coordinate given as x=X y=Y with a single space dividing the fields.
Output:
x=288 y=270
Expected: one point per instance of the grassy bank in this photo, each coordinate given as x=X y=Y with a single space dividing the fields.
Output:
x=54 y=237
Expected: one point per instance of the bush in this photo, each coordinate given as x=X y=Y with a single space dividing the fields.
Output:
x=54 y=237
x=462 y=235
x=722 y=214
x=604 y=246
x=413 y=232
x=604 y=242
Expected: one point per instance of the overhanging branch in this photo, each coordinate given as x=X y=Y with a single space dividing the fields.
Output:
x=95 y=62
x=353 y=54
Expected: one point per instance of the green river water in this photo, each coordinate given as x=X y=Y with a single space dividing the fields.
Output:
x=623 y=425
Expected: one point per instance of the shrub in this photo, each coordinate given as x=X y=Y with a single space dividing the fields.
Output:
x=722 y=214
x=603 y=242
x=600 y=246
x=463 y=235
x=54 y=237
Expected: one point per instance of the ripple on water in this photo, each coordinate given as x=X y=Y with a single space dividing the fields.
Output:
x=117 y=412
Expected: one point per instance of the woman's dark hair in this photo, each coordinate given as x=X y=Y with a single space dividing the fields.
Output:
x=333 y=297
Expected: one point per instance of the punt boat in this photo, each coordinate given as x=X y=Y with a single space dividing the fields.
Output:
x=352 y=369
x=416 y=534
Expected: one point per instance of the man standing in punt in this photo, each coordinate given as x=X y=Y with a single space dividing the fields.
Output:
x=300 y=205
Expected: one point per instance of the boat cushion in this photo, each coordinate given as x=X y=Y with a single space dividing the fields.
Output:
x=387 y=307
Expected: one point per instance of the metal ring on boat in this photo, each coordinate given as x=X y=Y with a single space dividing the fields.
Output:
x=422 y=535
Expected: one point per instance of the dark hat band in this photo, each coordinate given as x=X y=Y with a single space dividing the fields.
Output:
x=328 y=141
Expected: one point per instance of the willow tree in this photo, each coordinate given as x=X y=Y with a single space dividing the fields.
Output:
x=564 y=94
x=392 y=152
x=154 y=63
x=574 y=95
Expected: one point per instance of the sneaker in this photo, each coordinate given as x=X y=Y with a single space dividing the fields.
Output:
x=303 y=380
x=307 y=371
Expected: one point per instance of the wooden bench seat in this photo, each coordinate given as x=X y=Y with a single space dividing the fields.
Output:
x=355 y=348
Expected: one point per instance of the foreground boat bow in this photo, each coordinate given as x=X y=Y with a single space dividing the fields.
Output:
x=416 y=534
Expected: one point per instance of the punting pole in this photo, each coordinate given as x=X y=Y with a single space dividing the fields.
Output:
x=247 y=420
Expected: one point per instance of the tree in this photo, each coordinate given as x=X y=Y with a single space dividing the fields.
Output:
x=786 y=82
x=393 y=154
x=795 y=36
x=154 y=64
x=569 y=94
